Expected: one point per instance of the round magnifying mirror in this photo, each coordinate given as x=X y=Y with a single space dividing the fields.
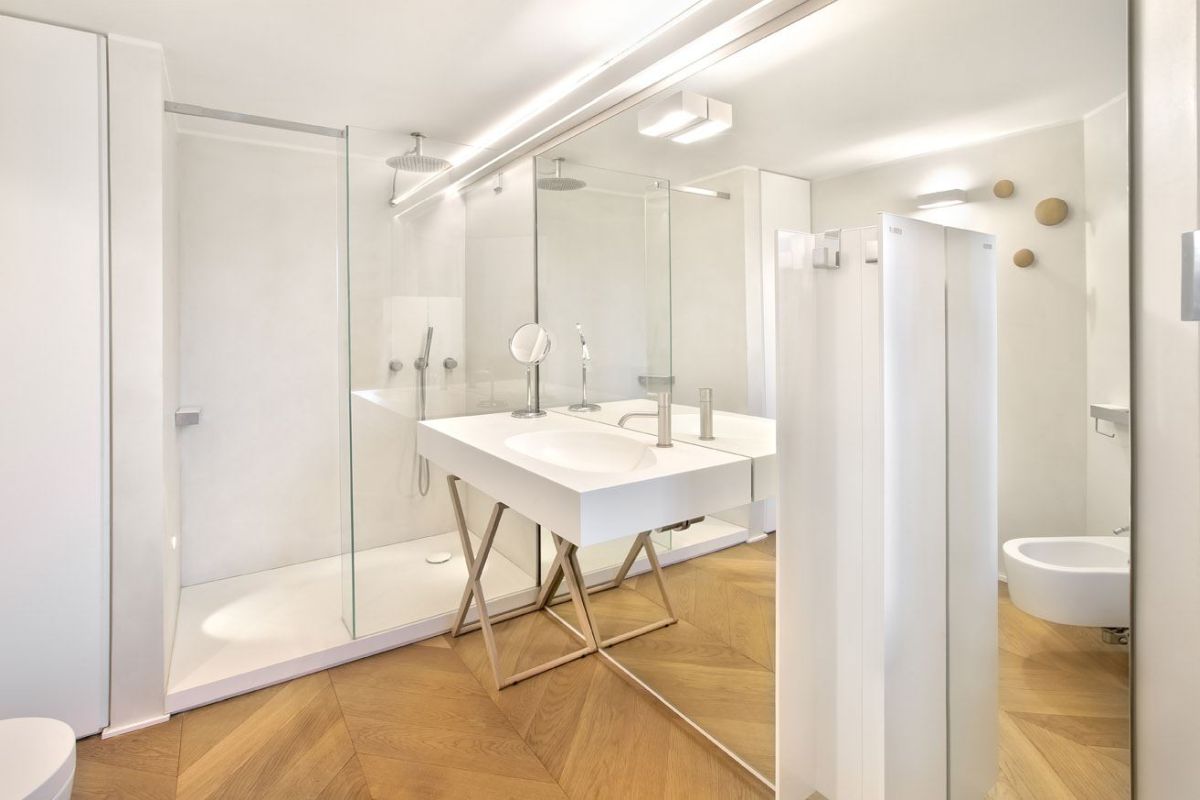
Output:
x=530 y=344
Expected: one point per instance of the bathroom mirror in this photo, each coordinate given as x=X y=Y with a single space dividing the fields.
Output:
x=900 y=107
x=530 y=344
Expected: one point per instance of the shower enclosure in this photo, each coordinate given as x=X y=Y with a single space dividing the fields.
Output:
x=251 y=361
x=322 y=315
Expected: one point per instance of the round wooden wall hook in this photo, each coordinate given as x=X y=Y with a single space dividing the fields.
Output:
x=1051 y=211
x=1023 y=257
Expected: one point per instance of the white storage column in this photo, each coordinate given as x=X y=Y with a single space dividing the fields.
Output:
x=54 y=608
x=887 y=531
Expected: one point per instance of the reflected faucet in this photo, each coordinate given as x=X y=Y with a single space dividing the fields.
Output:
x=663 y=415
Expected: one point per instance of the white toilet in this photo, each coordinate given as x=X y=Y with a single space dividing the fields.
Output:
x=37 y=759
x=1071 y=580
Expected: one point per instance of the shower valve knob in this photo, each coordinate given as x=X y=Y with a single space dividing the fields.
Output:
x=449 y=363
x=395 y=365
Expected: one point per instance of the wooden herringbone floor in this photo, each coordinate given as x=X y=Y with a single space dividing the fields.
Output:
x=1064 y=711
x=717 y=665
x=425 y=721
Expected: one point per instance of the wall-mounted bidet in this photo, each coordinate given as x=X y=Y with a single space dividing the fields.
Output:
x=1071 y=580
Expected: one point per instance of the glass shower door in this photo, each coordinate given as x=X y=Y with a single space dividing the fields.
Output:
x=426 y=341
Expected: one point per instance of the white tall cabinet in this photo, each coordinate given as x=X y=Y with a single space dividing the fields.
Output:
x=54 y=474
x=887 y=514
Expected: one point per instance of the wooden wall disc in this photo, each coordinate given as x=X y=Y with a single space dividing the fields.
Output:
x=1051 y=211
x=1023 y=257
x=1003 y=188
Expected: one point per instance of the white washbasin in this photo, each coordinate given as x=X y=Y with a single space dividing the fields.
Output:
x=588 y=483
x=589 y=451
x=1071 y=580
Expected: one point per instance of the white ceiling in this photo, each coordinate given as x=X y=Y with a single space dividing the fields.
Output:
x=864 y=82
x=451 y=68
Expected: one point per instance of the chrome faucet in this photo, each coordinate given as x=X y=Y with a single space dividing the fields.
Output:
x=706 y=417
x=663 y=414
x=585 y=360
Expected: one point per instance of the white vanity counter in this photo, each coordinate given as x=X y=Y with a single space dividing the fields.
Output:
x=588 y=483
x=739 y=434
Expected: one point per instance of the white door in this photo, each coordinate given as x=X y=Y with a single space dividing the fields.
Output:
x=54 y=609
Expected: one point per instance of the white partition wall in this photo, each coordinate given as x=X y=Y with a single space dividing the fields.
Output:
x=53 y=399
x=887 y=535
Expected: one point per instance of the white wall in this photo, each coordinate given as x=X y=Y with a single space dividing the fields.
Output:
x=710 y=295
x=53 y=400
x=591 y=269
x=1166 y=415
x=425 y=267
x=786 y=205
x=500 y=273
x=501 y=292
x=1106 y=239
x=1042 y=310
x=259 y=354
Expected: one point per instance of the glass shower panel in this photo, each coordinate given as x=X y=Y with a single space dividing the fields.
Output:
x=420 y=279
x=604 y=276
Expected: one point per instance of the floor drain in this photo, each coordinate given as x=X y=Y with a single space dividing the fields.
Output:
x=438 y=558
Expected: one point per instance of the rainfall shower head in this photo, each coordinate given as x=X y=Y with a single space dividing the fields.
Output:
x=416 y=161
x=557 y=183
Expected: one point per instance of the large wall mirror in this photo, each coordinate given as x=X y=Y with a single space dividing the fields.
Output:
x=1006 y=119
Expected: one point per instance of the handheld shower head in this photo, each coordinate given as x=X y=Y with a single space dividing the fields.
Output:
x=557 y=183
x=422 y=362
x=587 y=356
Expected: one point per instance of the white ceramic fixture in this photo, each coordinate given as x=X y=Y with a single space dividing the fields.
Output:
x=37 y=759
x=589 y=451
x=1071 y=580
x=742 y=434
x=587 y=483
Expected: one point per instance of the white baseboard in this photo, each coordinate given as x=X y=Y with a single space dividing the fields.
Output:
x=118 y=730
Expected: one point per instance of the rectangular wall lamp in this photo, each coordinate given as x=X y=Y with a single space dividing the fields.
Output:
x=685 y=117
x=950 y=197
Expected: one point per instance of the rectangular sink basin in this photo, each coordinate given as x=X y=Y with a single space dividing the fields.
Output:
x=587 y=483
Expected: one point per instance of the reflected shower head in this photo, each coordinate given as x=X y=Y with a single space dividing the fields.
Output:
x=557 y=183
x=416 y=161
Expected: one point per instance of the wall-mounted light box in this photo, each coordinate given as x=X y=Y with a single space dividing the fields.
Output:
x=685 y=117
x=950 y=197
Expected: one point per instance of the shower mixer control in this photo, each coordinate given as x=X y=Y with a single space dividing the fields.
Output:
x=449 y=362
